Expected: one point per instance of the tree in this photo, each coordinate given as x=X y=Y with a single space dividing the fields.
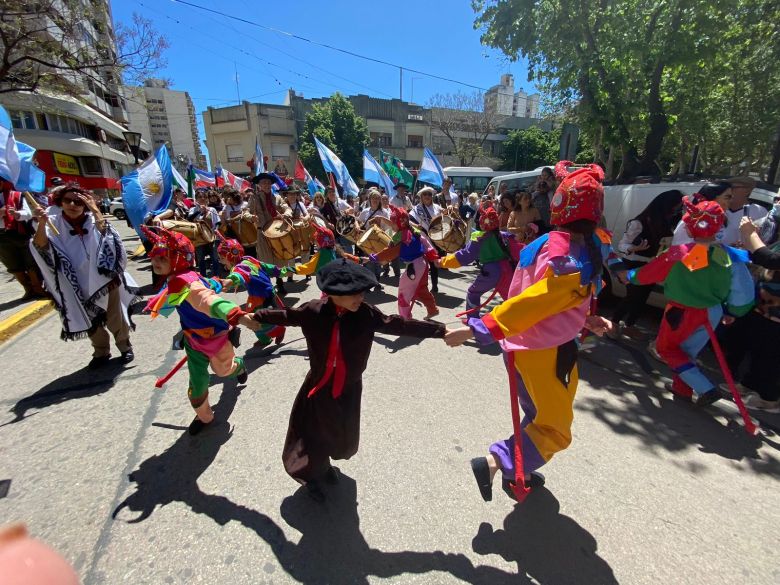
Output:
x=638 y=71
x=50 y=45
x=524 y=150
x=335 y=123
x=463 y=119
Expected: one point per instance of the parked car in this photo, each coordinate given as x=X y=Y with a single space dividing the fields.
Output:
x=117 y=208
x=515 y=181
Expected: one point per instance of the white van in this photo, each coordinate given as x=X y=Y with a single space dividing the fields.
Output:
x=470 y=179
x=516 y=181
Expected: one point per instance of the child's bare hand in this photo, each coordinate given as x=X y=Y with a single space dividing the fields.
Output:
x=456 y=337
x=598 y=325
x=249 y=322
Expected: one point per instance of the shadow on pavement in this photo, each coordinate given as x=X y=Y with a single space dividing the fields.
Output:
x=332 y=548
x=648 y=412
x=83 y=383
x=547 y=546
x=14 y=303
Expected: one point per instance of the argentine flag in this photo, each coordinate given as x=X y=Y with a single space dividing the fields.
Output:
x=259 y=162
x=430 y=169
x=373 y=172
x=16 y=164
x=333 y=164
x=149 y=188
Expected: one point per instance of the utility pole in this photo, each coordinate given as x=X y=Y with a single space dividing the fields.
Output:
x=238 y=94
x=401 y=83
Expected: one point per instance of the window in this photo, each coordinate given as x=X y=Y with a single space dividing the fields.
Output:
x=381 y=139
x=90 y=165
x=414 y=141
x=280 y=150
x=415 y=117
x=235 y=153
x=22 y=119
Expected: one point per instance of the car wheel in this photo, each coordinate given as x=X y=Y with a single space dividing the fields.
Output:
x=120 y=214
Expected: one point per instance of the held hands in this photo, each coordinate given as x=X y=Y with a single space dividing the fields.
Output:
x=249 y=322
x=598 y=325
x=456 y=337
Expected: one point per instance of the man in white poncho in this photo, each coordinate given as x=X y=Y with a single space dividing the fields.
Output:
x=84 y=270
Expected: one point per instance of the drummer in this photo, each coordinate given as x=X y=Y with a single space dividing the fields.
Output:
x=333 y=209
x=293 y=198
x=368 y=217
x=401 y=198
x=422 y=214
x=264 y=207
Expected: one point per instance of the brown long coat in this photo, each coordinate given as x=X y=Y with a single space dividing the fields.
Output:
x=259 y=208
x=322 y=427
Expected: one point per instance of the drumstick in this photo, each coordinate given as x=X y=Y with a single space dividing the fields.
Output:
x=34 y=204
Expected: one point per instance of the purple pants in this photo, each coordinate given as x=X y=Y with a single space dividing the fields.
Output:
x=493 y=274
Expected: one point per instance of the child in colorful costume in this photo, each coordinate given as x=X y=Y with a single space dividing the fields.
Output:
x=412 y=246
x=255 y=277
x=339 y=331
x=700 y=278
x=491 y=247
x=206 y=318
x=327 y=252
x=556 y=278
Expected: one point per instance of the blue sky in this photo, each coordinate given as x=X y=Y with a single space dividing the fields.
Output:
x=433 y=36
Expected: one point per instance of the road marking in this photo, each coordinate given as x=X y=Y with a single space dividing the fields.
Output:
x=21 y=320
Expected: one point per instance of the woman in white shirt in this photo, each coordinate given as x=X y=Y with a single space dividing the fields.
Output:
x=373 y=210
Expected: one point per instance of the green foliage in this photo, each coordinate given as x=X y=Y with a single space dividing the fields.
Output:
x=525 y=150
x=651 y=78
x=336 y=125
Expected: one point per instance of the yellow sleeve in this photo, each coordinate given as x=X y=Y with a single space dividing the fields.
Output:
x=540 y=301
x=308 y=267
x=449 y=261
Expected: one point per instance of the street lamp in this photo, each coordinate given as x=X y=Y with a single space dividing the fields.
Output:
x=133 y=140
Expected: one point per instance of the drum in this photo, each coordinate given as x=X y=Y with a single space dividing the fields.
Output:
x=243 y=228
x=374 y=240
x=279 y=233
x=447 y=233
x=346 y=226
x=302 y=234
x=199 y=233
x=386 y=226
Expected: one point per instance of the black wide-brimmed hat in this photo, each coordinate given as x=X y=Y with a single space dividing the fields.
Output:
x=342 y=277
x=257 y=178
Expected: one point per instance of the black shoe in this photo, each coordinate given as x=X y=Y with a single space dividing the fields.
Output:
x=280 y=290
x=435 y=289
x=308 y=278
x=708 y=398
x=243 y=376
x=197 y=425
x=379 y=288
x=127 y=356
x=289 y=279
x=481 y=471
x=314 y=491
x=98 y=362
x=332 y=475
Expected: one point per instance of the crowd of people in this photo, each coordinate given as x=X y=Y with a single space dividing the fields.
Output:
x=543 y=251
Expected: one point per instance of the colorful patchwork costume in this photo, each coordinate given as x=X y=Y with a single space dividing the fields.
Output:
x=206 y=318
x=699 y=280
x=412 y=246
x=537 y=326
x=491 y=248
x=255 y=277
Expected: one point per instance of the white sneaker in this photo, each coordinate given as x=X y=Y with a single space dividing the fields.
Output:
x=744 y=392
x=755 y=402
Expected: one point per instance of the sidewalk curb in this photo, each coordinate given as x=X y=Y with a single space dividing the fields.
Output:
x=22 y=319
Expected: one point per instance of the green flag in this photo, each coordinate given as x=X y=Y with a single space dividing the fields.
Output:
x=396 y=169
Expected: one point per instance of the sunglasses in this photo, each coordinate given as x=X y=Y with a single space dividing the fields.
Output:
x=76 y=202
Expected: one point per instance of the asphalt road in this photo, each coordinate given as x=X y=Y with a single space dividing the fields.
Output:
x=651 y=491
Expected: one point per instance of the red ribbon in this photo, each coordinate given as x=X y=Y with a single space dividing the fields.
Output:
x=335 y=367
x=519 y=488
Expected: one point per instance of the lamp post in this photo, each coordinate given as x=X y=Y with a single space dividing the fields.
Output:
x=133 y=140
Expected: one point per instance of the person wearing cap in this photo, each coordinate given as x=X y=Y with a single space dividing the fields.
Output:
x=401 y=198
x=739 y=207
x=339 y=331
x=700 y=278
x=551 y=294
x=206 y=319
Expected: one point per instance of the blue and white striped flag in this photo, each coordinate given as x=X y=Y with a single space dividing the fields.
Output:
x=16 y=164
x=259 y=162
x=430 y=169
x=149 y=188
x=333 y=164
x=373 y=171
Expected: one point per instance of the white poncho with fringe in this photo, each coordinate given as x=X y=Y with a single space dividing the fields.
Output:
x=80 y=271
